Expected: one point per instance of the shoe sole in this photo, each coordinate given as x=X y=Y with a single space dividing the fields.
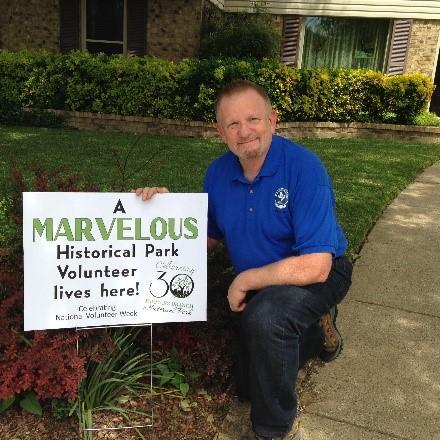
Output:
x=329 y=356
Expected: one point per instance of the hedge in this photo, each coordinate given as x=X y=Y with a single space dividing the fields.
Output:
x=186 y=90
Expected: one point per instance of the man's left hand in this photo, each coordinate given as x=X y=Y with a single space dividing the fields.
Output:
x=237 y=292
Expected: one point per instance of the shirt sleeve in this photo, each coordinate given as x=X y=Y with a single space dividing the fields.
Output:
x=313 y=211
x=213 y=229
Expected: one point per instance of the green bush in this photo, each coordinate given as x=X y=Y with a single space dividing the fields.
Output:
x=187 y=90
x=427 y=119
x=339 y=95
x=408 y=95
x=14 y=70
x=239 y=35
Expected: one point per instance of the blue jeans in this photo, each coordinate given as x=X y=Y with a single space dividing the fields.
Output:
x=277 y=332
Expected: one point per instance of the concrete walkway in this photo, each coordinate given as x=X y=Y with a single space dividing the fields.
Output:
x=386 y=383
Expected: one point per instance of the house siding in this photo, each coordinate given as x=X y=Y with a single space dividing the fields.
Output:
x=424 y=47
x=173 y=29
x=429 y=9
x=30 y=24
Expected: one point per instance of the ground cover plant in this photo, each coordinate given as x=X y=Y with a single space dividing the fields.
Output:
x=367 y=175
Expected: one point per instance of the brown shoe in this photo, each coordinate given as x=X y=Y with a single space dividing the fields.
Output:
x=332 y=338
x=293 y=434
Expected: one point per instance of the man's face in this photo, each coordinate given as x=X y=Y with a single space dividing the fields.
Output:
x=246 y=123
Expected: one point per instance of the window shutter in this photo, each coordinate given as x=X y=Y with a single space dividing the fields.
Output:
x=69 y=25
x=399 y=47
x=136 y=27
x=289 y=53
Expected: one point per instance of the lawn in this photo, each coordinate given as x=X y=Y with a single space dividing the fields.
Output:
x=367 y=174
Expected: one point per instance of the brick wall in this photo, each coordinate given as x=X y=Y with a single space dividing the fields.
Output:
x=173 y=26
x=294 y=130
x=31 y=24
x=424 y=47
x=173 y=29
x=4 y=7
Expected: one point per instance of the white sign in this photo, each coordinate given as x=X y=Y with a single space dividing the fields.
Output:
x=98 y=259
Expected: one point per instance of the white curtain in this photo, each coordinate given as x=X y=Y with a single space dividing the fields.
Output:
x=345 y=42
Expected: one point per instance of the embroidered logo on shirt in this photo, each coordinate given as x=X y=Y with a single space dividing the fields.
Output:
x=281 y=198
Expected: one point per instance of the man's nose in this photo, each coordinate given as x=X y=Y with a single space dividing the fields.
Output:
x=244 y=130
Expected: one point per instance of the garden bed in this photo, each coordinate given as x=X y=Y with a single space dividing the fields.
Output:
x=170 y=422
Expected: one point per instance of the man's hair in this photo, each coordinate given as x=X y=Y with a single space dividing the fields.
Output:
x=238 y=86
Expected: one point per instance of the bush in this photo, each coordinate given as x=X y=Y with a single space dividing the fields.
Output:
x=427 y=119
x=43 y=362
x=25 y=84
x=239 y=35
x=408 y=95
x=187 y=90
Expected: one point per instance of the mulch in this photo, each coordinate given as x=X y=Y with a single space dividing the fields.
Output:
x=170 y=421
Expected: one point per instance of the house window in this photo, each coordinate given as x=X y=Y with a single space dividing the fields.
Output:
x=345 y=42
x=103 y=26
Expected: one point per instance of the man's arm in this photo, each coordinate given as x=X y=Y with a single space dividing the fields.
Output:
x=212 y=244
x=299 y=271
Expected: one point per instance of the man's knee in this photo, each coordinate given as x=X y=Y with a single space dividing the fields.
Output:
x=272 y=308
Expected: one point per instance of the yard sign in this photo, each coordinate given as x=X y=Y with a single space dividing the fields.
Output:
x=99 y=259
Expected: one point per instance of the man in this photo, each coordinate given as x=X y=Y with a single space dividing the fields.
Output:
x=272 y=202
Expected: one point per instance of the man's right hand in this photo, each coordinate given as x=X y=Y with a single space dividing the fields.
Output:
x=148 y=192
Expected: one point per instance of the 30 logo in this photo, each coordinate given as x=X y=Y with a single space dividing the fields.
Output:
x=180 y=285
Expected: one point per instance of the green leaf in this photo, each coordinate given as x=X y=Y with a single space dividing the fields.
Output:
x=166 y=377
x=31 y=404
x=5 y=404
x=162 y=368
x=184 y=388
x=177 y=380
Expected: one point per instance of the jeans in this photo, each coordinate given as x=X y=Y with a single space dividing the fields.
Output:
x=276 y=333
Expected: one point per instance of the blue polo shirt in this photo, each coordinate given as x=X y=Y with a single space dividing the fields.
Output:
x=289 y=208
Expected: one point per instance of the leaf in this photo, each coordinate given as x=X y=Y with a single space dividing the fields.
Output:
x=162 y=368
x=185 y=405
x=176 y=381
x=31 y=404
x=5 y=404
x=123 y=399
x=166 y=377
x=184 y=388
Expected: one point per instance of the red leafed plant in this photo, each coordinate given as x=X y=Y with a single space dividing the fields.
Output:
x=45 y=362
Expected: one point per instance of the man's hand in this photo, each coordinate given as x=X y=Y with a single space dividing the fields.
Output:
x=237 y=292
x=148 y=192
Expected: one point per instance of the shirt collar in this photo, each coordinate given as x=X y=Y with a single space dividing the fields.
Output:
x=270 y=165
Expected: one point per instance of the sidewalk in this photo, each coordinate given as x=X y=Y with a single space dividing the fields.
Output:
x=386 y=383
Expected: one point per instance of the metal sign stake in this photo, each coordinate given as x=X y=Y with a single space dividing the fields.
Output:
x=119 y=428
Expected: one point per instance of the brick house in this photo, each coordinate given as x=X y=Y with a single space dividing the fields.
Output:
x=393 y=36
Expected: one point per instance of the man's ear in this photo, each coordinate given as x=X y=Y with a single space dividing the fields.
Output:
x=221 y=131
x=273 y=117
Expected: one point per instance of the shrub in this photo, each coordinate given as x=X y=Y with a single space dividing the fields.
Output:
x=187 y=90
x=43 y=362
x=408 y=95
x=427 y=119
x=239 y=35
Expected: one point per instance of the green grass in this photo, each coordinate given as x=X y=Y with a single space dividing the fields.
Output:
x=367 y=174
x=178 y=163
